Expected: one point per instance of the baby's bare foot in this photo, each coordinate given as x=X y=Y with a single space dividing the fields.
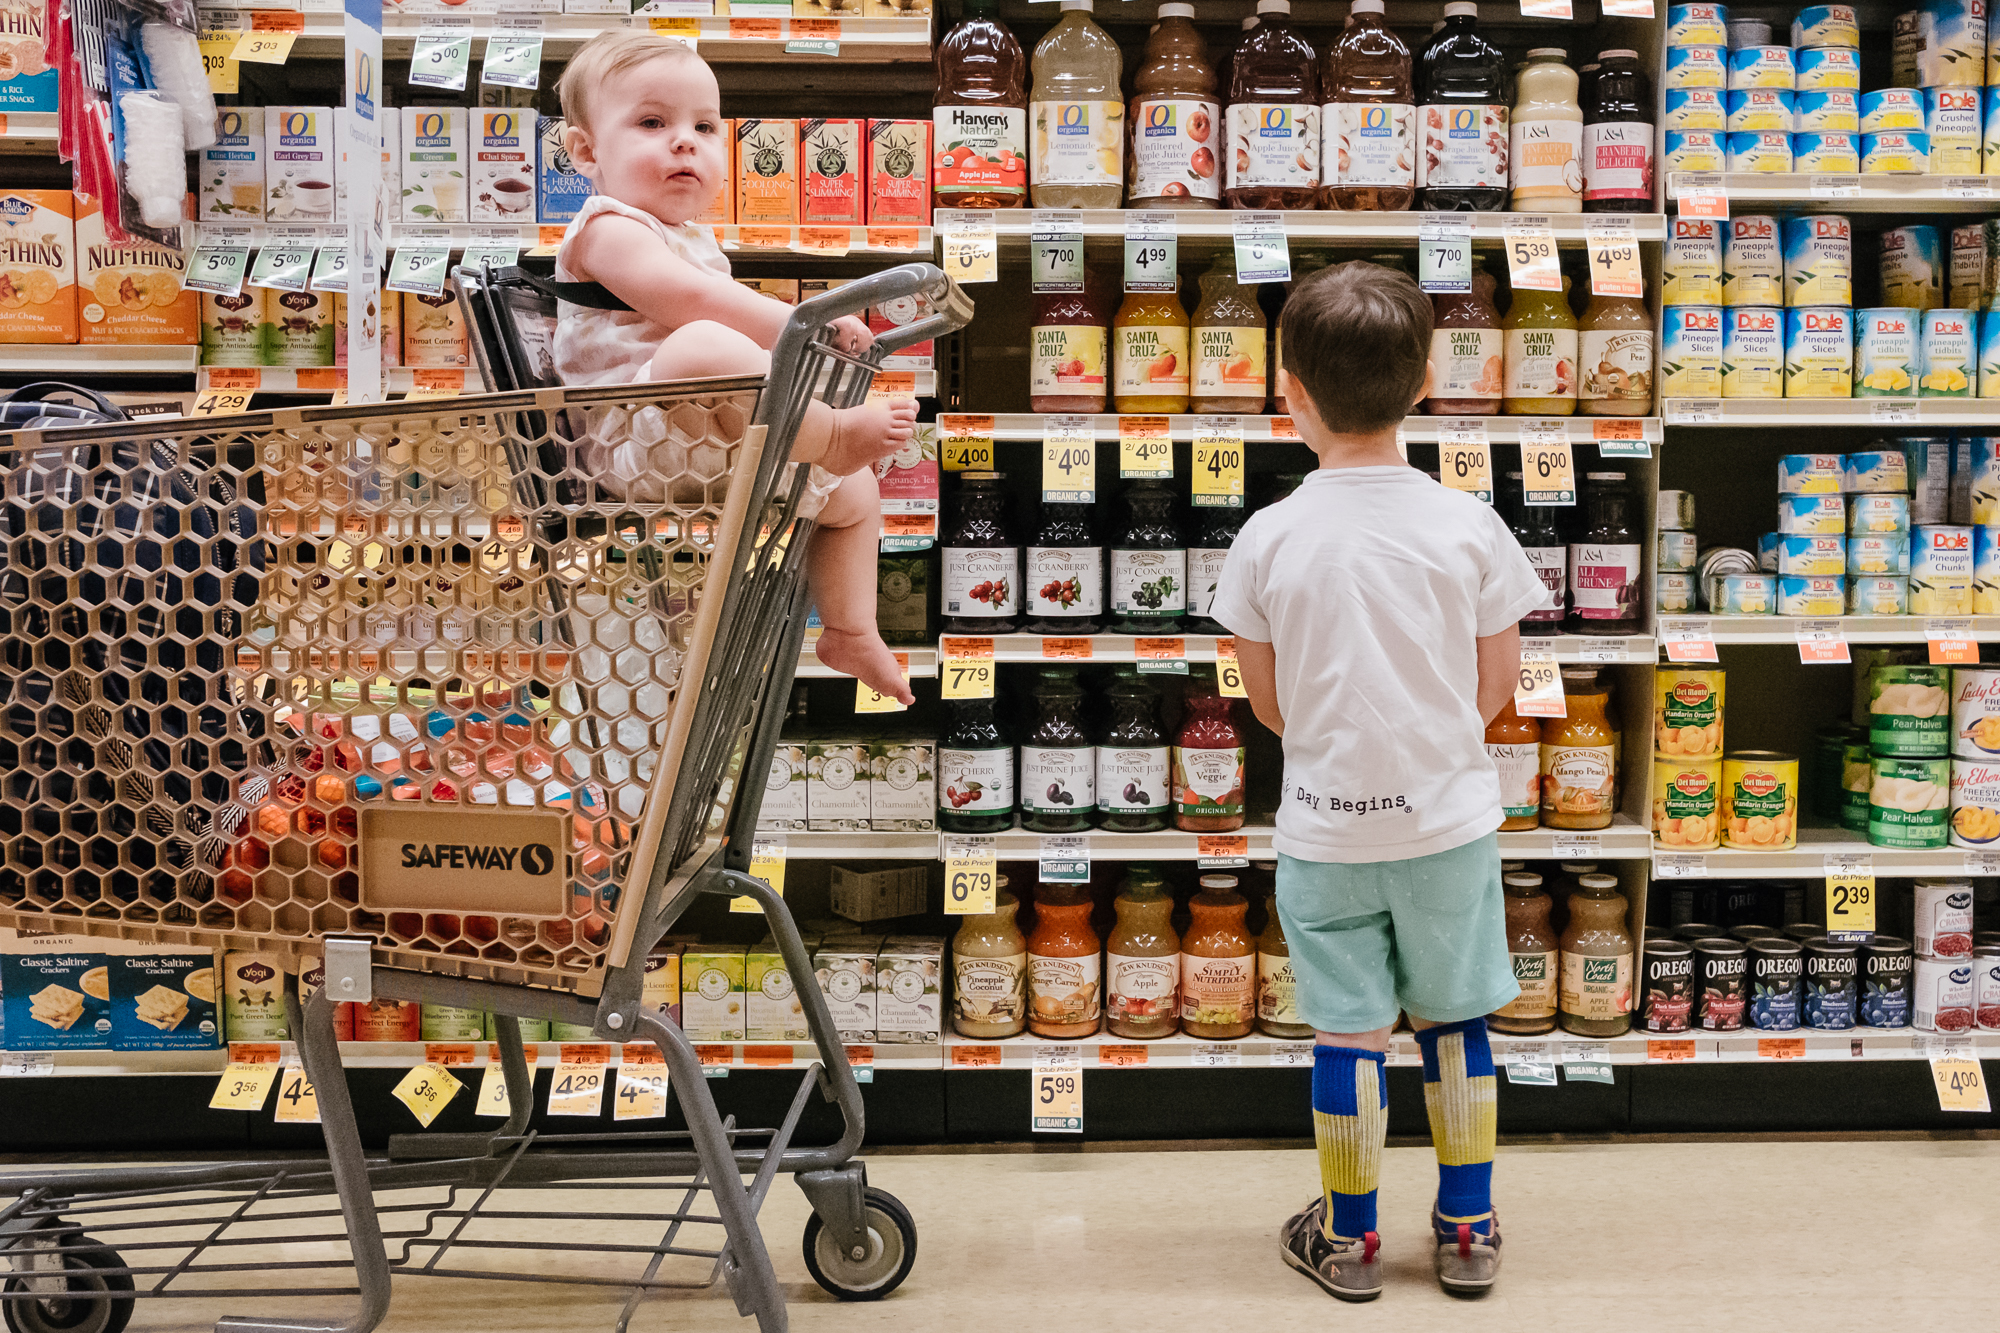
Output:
x=864 y=656
x=873 y=430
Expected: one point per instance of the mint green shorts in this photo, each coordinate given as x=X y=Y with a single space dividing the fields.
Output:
x=1426 y=935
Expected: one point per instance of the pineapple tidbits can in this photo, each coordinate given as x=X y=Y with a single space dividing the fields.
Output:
x=1685 y=804
x=1886 y=361
x=1760 y=800
x=1948 y=355
x=1687 y=713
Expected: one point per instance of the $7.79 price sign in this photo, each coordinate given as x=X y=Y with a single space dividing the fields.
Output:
x=965 y=668
x=969 y=876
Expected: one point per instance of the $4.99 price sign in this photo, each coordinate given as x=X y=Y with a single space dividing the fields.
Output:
x=969 y=876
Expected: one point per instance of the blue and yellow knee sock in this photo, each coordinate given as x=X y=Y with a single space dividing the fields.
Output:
x=1459 y=1089
x=1350 y=1124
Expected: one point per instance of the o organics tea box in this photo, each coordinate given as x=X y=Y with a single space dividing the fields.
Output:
x=767 y=172
x=503 y=166
x=909 y=989
x=899 y=173
x=560 y=188
x=131 y=294
x=38 y=266
x=774 y=1010
x=389 y=187
x=163 y=998
x=57 y=992
x=712 y=992
x=435 y=163
x=299 y=164
x=830 y=158
x=229 y=173
x=845 y=969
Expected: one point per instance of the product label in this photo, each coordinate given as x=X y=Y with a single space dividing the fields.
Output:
x=1078 y=143
x=1273 y=145
x=1519 y=767
x=1465 y=147
x=1618 y=161
x=1141 y=988
x=1596 y=988
x=1132 y=781
x=1204 y=576
x=1552 y=565
x=980 y=150
x=980 y=581
x=1208 y=782
x=1369 y=143
x=1541 y=363
x=992 y=990
x=1468 y=363
x=1065 y=990
x=1152 y=583
x=1535 y=973
x=1067 y=359
x=1058 y=781
x=976 y=782
x=1547 y=159
x=1152 y=361
x=1065 y=580
x=1277 y=989
x=1218 y=990
x=1604 y=581
x=1173 y=150
x=1229 y=362
x=1616 y=365
x=1578 y=779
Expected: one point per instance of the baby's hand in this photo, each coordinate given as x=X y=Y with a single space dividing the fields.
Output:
x=851 y=336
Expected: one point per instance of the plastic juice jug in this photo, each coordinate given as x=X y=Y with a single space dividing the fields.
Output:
x=989 y=960
x=1368 y=146
x=1618 y=136
x=1176 y=121
x=1218 y=964
x=1142 y=957
x=1540 y=362
x=1467 y=357
x=1546 y=136
x=1226 y=339
x=1065 y=976
x=1615 y=357
x=1069 y=347
x=979 y=116
x=1076 y=117
x=1462 y=157
x=1271 y=155
x=1150 y=354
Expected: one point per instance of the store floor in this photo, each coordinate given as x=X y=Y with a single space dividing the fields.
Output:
x=1827 y=1234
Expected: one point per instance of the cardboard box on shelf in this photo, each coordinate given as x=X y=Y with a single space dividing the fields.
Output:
x=163 y=998
x=56 y=990
x=434 y=334
x=300 y=184
x=712 y=992
x=844 y=966
x=902 y=786
x=837 y=785
x=766 y=172
x=28 y=80
x=899 y=173
x=560 y=188
x=879 y=895
x=832 y=154
x=229 y=173
x=774 y=1011
x=909 y=989
x=503 y=166
x=436 y=163
x=232 y=327
x=38 y=266
x=131 y=294
x=253 y=997
x=784 y=805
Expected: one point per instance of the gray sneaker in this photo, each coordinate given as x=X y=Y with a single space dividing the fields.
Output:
x=1468 y=1261
x=1350 y=1270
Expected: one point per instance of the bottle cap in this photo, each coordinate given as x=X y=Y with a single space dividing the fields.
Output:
x=1176 y=11
x=1523 y=880
x=1539 y=53
x=1600 y=883
x=1274 y=6
x=1366 y=7
x=1618 y=55
x=1249 y=23
x=1458 y=7
x=1220 y=883
x=1084 y=5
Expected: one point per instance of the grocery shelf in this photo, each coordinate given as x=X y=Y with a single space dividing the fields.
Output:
x=27 y=131
x=1414 y=430
x=923 y=664
x=1901 y=413
x=1847 y=192
x=1201 y=648
x=1208 y=229
x=397 y=379
x=408 y=1054
x=1726 y=630
x=1808 y=860
x=736 y=39
x=74 y=359
x=747 y=243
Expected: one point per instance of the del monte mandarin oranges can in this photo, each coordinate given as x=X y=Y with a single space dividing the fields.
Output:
x=1687 y=714
x=1760 y=800
x=1686 y=804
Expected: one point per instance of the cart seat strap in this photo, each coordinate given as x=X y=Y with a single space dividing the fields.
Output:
x=593 y=295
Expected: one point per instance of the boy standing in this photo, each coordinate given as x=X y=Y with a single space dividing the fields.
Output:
x=1376 y=615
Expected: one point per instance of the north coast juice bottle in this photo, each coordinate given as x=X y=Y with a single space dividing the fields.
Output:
x=1462 y=157
x=1176 y=121
x=979 y=116
x=1271 y=155
x=1076 y=118
x=1369 y=155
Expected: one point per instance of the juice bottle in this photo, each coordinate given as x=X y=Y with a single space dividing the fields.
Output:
x=1368 y=149
x=1271 y=155
x=1604 y=563
x=1615 y=357
x=975 y=771
x=1594 y=998
x=1176 y=120
x=1546 y=136
x=1534 y=527
x=1065 y=572
x=1133 y=768
x=1206 y=556
x=1618 y=136
x=1148 y=563
x=1277 y=984
x=1462 y=165
x=1226 y=337
x=1420 y=55
x=1142 y=960
x=989 y=960
x=982 y=558
x=1076 y=153
x=1514 y=744
x=1579 y=756
x=1065 y=995
x=1068 y=348
x=1149 y=363
x=1540 y=361
x=1467 y=352
x=1058 y=762
x=979 y=115
x=1531 y=940
x=1209 y=773
x=1218 y=964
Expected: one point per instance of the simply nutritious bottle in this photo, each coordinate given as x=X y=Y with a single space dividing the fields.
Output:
x=1271 y=155
x=1547 y=136
x=1176 y=121
x=1077 y=116
x=1368 y=156
x=979 y=116
x=1462 y=139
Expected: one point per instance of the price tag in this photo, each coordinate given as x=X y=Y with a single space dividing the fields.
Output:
x=1688 y=640
x=1218 y=463
x=867 y=701
x=1152 y=252
x=1222 y=851
x=1164 y=657
x=830 y=242
x=1121 y=1057
x=1444 y=253
x=680 y=28
x=971 y=253
x=642 y=1084
x=862 y=1058
x=330 y=268
x=243 y=1086
x=578 y=1085
x=1614 y=257
x=492 y=247
x=1585 y=1062
x=1056 y=248
x=1822 y=641
x=1781 y=1048
x=450 y=1054
x=492 y=1099
x=514 y=52
x=1884 y=412
x=1967 y=187
x=965 y=443
x=1670 y=1052
x=27 y=1064
x=974 y=1057
x=1620 y=438
x=1262 y=252
x=767 y=862
x=1539 y=693
x=1700 y=195
x=1056 y=1091
x=968 y=876
x=1850 y=897
x=1694 y=412
x=284 y=264
x=419 y=268
x=220 y=402
x=425 y=1090
x=218 y=61
x=1065 y=860
x=1144 y=449
x=264 y=48
x=1680 y=867
x=1216 y=1055
x=1834 y=187
x=298 y=1104
x=1465 y=461
x=965 y=669
x=217 y=267
x=1951 y=642
x=1531 y=254
x=811 y=46
x=1548 y=470
x=1531 y=1064
x=443 y=53
x=1630 y=9
x=1982 y=863
x=1961 y=1086
x=1576 y=846
x=1292 y=1055
x=1069 y=461
x=1228 y=674
x=1546 y=9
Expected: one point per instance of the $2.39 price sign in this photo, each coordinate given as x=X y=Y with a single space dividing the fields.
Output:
x=1850 y=896
x=969 y=876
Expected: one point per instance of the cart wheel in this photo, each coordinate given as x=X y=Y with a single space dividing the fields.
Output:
x=77 y=1309
x=891 y=1251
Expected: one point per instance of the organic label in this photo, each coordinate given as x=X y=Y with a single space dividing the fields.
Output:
x=1173 y=149
x=1369 y=144
x=1273 y=145
x=976 y=781
x=1132 y=781
x=1596 y=989
x=1465 y=147
x=1078 y=143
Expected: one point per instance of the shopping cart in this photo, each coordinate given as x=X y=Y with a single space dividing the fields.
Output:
x=248 y=659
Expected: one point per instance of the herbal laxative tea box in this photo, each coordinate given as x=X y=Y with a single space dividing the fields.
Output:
x=436 y=163
x=909 y=989
x=560 y=188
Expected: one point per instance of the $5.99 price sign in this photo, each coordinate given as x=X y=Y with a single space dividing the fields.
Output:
x=1055 y=1093
x=969 y=876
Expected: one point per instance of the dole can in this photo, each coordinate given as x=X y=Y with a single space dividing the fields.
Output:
x=1927 y=463
x=1811 y=555
x=1753 y=269
x=1742 y=594
x=1758 y=109
x=1766 y=152
x=1953 y=48
x=1892 y=109
x=1697 y=25
x=1692 y=263
x=1753 y=352
x=1912 y=268
x=1831 y=67
x=1826 y=110
x=1809 y=474
x=1950 y=366
x=1941 y=570
x=1758 y=67
x=1819 y=351
x=1696 y=109
x=1879 y=556
x=1942 y=995
x=1879 y=514
x=1820 y=26
x=1877 y=595
x=1989 y=131
x=1677 y=551
x=1697 y=66
x=1874 y=472
x=1676 y=510
x=1767 y=551
x=1812 y=515
x=1966 y=268
x=1885 y=353
x=1693 y=150
x=1673 y=592
x=1953 y=120
x=1812 y=594
x=1895 y=153
x=1691 y=351
x=1819 y=260
x=1839 y=153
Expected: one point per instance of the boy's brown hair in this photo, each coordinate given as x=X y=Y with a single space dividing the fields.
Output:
x=1358 y=337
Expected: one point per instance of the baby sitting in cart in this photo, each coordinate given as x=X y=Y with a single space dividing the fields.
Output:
x=646 y=126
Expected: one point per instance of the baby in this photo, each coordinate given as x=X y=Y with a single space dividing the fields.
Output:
x=646 y=126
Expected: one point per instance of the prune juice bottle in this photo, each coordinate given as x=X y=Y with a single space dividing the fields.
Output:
x=1148 y=564
x=982 y=559
x=975 y=771
x=1271 y=155
x=1133 y=761
x=1058 y=762
x=1463 y=123
x=1065 y=573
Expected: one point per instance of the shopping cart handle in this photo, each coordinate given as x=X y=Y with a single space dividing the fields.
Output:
x=924 y=281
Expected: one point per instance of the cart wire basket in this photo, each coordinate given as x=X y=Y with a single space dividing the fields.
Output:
x=451 y=700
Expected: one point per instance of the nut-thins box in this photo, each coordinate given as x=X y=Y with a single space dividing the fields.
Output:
x=163 y=999
x=131 y=295
x=38 y=266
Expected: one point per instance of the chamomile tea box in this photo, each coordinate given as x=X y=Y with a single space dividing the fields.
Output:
x=300 y=165
x=503 y=166
x=845 y=968
x=57 y=992
x=909 y=990
x=837 y=785
x=712 y=992
x=436 y=163
x=229 y=173
x=163 y=999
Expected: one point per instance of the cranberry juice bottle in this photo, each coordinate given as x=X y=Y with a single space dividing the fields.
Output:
x=1369 y=152
x=982 y=559
x=1462 y=162
x=1271 y=155
x=1065 y=575
x=1618 y=137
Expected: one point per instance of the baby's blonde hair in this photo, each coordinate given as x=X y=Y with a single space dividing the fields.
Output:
x=606 y=55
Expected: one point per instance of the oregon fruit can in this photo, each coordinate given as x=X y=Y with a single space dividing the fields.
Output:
x=1819 y=352
x=1941 y=918
x=1975 y=803
x=1819 y=260
x=1941 y=995
x=1908 y=800
x=1722 y=968
x=1831 y=983
x=1667 y=1003
x=1909 y=711
x=1777 y=974
x=1685 y=804
x=1886 y=967
x=1760 y=800
x=1975 y=713
x=1753 y=269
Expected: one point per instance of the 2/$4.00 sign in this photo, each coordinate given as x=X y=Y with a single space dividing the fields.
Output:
x=507 y=863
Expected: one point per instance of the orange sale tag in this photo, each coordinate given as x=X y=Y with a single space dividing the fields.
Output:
x=1066 y=650
x=762 y=30
x=1781 y=1048
x=1159 y=650
x=892 y=238
x=449 y=1054
x=1121 y=1057
x=1669 y=1051
x=975 y=1057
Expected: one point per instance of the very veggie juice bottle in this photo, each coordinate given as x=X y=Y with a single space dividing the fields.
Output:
x=1546 y=136
x=1142 y=957
x=1077 y=115
x=1615 y=357
x=1068 y=350
x=979 y=114
x=1462 y=159
x=1618 y=137
x=1271 y=154
x=1218 y=964
x=1058 y=762
x=989 y=960
x=1175 y=121
x=1149 y=363
x=1226 y=339
x=975 y=771
x=1133 y=768
x=1065 y=575
x=1540 y=362
x=982 y=559
x=1467 y=356
x=1148 y=563
x=1369 y=154
x=1209 y=774
x=1065 y=976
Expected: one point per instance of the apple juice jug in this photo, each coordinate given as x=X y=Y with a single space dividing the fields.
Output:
x=989 y=961
x=1205 y=559
x=1594 y=997
x=1271 y=153
x=1514 y=744
x=1209 y=774
x=1226 y=338
x=1175 y=119
x=1218 y=964
x=1076 y=118
x=1277 y=985
x=1142 y=960
x=1065 y=573
x=1467 y=352
x=981 y=558
x=1069 y=348
x=1614 y=343
x=1462 y=159
x=1618 y=136
x=1058 y=762
x=975 y=771
x=1540 y=362
x=1546 y=136
x=1368 y=145
x=1149 y=363
x=1531 y=941
x=1065 y=991
x=1133 y=767
x=1148 y=563
x=979 y=115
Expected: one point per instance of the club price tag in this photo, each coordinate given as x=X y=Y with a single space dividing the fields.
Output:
x=1951 y=642
x=218 y=61
x=1065 y=860
x=1144 y=449
x=1834 y=187
x=1531 y=254
x=1058 y=648
x=1218 y=463
x=217 y=267
x=969 y=876
x=1152 y=252
x=492 y=247
x=284 y=264
x=514 y=52
x=1617 y=438
x=298 y=1104
x=419 y=268
x=443 y=53
x=1221 y=851
x=578 y=1085
x=1688 y=640
x=425 y=1090
x=1228 y=674
x=642 y=1084
x=965 y=443
x=1968 y=187
x=1694 y=412
x=1069 y=461
x=492 y=1099
x=1781 y=1048
x=1850 y=896
x=1586 y=1062
x=264 y=48
x=1444 y=253
x=1822 y=641
x=220 y=402
x=965 y=669
x=1539 y=692
x=330 y=267
x=1164 y=657
x=1699 y=194
x=1960 y=1084
x=1546 y=9
x=1548 y=470
x=971 y=253
x=867 y=701
x=1056 y=1091
x=767 y=862
x=244 y=1086
x=1531 y=1064
x=1262 y=252
x=1465 y=460
x=1614 y=257
x=1056 y=248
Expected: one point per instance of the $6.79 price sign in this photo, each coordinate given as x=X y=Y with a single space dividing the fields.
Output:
x=969 y=876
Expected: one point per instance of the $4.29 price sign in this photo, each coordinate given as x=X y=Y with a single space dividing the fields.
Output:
x=578 y=1085
x=642 y=1084
x=1055 y=1093
x=969 y=876
x=1850 y=896
x=1539 y=692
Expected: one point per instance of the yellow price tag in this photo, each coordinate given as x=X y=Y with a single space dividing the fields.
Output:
x=969 y=877
x=1228 y=675
x=1614 y=261
x=578 y=1085
x=425 y=1090
x=297 y=1103
x=866 y=700
x=1548 y=469
x=1539 y=691
x=493 y=1099
x=1218 y=467
x=767 y=862
x=1531 y=255
x=1465 y=459
x=1055 y=1094
x=243 y=1087
x=1850 y=897
x=965 y=443
x=971 y=253
x=1960 y=1084
x=686 y=29
x=264 y=48
x=1144 y=449
x=220 y=402
x=642 y=1084
x=223 y=69
x=1069 y=461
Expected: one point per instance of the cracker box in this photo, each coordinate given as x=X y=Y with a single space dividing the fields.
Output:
x=902 y=786
x=163 y=999
x=899 y=173
x=131 y=294
x=831 y=156
x=560 y=188
x=434 y=335
x=712 y=992
x=229 y=173
x=27 y=81
x=909 y=989
x=435 y=163
x=503 y=166
x=774 y=1011
x=38 y=266
x=57 y=992
x=837 y=785
x=766 y=172
x=845 y=968
x=299 y=164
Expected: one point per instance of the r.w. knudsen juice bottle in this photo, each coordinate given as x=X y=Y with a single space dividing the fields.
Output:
x=1462 y=159
x=1369 y=152
x=980 y=115
x=1176 y=121
x=1076 y=120
x=1271 y=155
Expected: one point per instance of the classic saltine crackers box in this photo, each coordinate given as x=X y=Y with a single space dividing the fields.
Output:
x=131 y=294
x=163 y=998
x=57 y=992
x=37 y=266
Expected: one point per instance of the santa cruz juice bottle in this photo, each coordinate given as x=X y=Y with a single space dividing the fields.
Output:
x=1176 y=121
x=1540 y=366
x=1068 y=349
x=980 y=116
x=1369 y=156
x=1227 y=343
x=1150 y=354
x=1462 y=159
x=1466 y=352
x=1271 y=154
x=1077 y=116
x=1547 y=136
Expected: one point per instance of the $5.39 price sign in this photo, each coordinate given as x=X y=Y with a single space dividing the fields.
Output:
x=1850 y=896
x=1531 y=255
x=1539 y=692
x=1055 y=1093
x=969 y=876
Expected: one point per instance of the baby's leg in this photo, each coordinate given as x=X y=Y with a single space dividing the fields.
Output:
x=841 y=567
x=705 y=349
